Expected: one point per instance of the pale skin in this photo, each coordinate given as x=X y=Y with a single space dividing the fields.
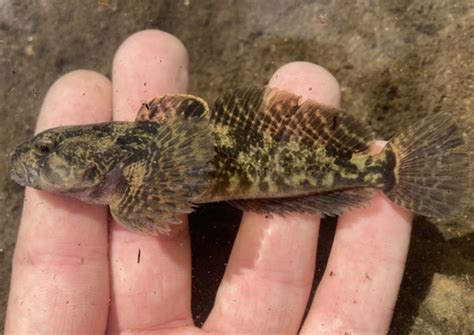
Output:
x=74 y=275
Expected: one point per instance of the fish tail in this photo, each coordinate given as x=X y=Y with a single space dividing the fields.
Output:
x=431 y=174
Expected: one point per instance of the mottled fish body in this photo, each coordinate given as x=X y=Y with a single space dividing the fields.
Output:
x=261 y=149
x=269 y=145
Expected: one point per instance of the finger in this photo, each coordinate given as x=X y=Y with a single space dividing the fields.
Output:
x=270 y=271
x=147 y=64
x=152 y=273
x=60 y=269
x=360 y=285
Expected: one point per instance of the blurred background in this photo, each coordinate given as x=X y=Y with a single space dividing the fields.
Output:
x=396 y=61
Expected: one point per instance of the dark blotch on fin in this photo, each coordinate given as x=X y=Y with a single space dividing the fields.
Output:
x=171 y=108
x=325 y=204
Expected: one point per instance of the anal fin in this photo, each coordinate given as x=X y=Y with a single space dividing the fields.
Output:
x=324 y=204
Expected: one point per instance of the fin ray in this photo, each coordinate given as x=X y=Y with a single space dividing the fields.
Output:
x=168 y=180
x=253 y=110
x=432 y=171
x=324 y=204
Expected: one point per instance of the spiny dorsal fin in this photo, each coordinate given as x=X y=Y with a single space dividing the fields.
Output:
x=324 y=204
x=250 y=111
x=167 y=180
x=170 y=108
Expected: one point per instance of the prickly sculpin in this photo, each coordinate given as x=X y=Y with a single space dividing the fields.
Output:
x=262 y=149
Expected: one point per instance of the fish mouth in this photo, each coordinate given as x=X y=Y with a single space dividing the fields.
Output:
x=21 y=174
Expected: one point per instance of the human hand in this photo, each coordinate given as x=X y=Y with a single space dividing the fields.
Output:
x=72 y=275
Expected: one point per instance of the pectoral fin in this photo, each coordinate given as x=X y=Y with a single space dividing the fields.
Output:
x=167 y=182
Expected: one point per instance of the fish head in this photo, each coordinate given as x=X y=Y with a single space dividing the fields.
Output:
x=64 y=159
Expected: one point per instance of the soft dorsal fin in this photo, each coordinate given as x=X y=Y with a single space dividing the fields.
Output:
x=170 y=108
x=283 y=115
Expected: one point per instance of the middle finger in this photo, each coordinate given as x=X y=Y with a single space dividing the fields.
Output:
x=151 y=276
x=268 y=280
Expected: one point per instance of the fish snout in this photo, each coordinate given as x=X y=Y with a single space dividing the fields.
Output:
x=20 y=172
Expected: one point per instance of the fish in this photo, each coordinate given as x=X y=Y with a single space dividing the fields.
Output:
x=261 y=149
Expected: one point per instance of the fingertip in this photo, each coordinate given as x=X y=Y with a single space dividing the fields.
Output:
x=149 y=45
x=78 y=97
x=139 y=37
x=147 y=64
x=308 y=80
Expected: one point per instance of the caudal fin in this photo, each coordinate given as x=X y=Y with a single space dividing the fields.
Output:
x=432 y=174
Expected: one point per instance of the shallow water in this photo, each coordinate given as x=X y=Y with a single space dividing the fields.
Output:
x=395 y=63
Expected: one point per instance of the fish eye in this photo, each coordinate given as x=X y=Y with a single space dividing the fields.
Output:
x=44 y=146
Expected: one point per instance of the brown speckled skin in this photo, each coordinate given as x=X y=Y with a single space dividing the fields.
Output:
x=260 y=148
x=269 y=145
x=145 y=171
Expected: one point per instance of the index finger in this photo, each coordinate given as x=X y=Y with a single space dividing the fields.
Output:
x=60 y=267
